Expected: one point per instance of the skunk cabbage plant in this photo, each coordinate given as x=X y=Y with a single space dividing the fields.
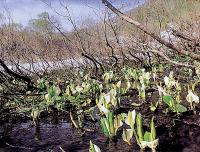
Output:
x=192 y=98
x=110 y=124
x=136 y=129
x=94 y=148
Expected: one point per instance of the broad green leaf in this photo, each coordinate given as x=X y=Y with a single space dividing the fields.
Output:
x=108 y=76
x=168 y=100
x=180 y=108
x=51 y=91
x=147 y=136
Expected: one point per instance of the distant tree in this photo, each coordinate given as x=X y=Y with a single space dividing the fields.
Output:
x=87 y=23
x=41 y=23
x=16 y=26
x=1 y=17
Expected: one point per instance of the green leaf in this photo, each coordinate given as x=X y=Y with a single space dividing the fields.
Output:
x=91 y=147
x=25 y=110
x=153 y=107
x=147 y=136
x=168 y=100
x=117 y=123
x=122 y=116
x=70 y=98
x=153 y=130
x=104 y=127
x=58 y=98
x=51 y=91
x=139 y=127
x=111 y=122
x=180 y=108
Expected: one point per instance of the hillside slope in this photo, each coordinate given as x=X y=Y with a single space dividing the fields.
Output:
x=159 y=13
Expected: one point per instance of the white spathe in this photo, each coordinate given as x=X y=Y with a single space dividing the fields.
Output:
x=150 y=144
x=103 y=109
x=191 y=97
x=130 y=119
x=97 y=149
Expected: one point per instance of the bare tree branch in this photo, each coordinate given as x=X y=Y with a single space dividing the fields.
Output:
x=194 y=56
x=16 y=75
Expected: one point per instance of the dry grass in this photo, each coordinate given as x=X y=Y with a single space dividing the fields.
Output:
x=157 y=14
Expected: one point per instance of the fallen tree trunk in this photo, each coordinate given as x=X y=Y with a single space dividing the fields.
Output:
x=16 y=75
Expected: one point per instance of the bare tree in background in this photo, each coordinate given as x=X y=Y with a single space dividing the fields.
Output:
x=162 y=53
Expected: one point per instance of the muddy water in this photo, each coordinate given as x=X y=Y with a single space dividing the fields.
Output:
x=175 y=133
x=52 y=138
x=182 y=136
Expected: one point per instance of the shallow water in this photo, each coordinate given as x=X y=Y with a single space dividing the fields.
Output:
x=175 y=134
x=51 y=138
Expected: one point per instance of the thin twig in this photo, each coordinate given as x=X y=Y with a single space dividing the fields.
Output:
x=61 y=149
x=73 y=121
x=21 y=147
